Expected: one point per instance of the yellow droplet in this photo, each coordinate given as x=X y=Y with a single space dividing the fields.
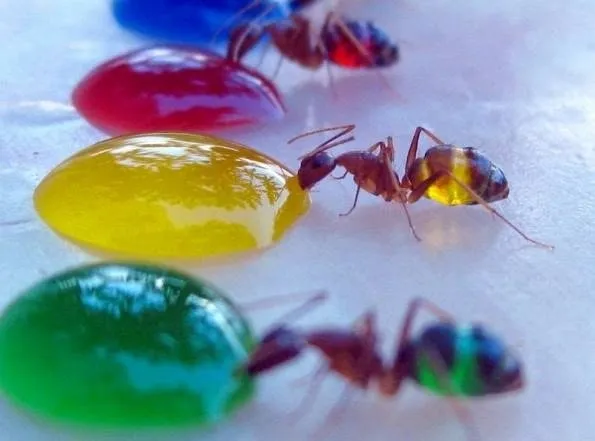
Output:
x=170 y=195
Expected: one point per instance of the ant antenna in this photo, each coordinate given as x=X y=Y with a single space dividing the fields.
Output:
x=253 y=4
x=345 y=129
x=247 y=29
x=325 y=146
x=329 y=143
x=313 y=300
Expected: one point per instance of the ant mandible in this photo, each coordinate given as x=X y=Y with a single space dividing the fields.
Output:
x=446 y=358
x=446 y=174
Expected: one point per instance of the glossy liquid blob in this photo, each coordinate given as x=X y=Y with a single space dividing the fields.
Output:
x=170 y=195
x=124 y=345
x=189 y=21
x=175 y=88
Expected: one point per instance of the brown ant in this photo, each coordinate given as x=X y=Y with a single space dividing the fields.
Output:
x=346 y=43
x=446 y=174
x=446 y=358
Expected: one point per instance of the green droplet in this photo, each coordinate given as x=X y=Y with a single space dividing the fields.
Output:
x=125 y=345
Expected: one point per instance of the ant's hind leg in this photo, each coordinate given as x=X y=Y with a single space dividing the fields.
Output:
x=412 y=153
x=419 y=191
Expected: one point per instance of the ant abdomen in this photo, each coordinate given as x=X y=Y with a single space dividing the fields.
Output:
x=468 y=165
x=451 y=359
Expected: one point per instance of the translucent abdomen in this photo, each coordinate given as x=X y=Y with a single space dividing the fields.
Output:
x=468 y=166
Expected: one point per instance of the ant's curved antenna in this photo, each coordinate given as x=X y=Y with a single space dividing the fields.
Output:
x=253 y=4
x=329 y=143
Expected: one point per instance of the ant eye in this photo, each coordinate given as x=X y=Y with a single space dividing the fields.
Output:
x=319 y=161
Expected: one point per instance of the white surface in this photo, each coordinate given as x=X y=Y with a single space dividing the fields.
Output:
x=514 y=77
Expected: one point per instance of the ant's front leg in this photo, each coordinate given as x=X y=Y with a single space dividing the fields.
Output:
x=243 y=39
x=354 y=202
x=392 y=179
x=343 y=176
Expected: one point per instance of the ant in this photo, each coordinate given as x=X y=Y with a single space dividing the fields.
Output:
x=447 y=358
x=446 y=174
x=346 y=43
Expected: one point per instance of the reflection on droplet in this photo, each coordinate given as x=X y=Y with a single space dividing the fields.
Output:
x=122 y=345
x=171 y=195
x=175 y=88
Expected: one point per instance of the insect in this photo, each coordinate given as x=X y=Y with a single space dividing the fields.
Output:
x=446 y=174
x=313 y=42
x=447 y=358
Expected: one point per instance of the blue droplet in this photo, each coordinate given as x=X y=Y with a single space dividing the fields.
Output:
x=190 y=21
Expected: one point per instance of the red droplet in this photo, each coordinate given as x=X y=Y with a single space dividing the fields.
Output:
x=175 y=88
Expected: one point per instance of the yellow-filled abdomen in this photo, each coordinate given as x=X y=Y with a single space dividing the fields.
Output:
x=170 y=195
x=468 y=166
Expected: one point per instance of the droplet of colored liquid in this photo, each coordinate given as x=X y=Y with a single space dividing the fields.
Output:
x=192 y=21
x=175 y=88
x=171 y=195
x=125 y=346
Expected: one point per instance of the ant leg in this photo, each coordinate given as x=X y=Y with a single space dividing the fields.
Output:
x=331 y=80
x=367 y=365
x=451 y=390
x=313 y=299
x=311 y=393
x=396 y=184
x=336 y=411
x=278 y=67
x=388 y=146
x=412 y=153
x=242 y=40
x=418 y=192
x=264 y=52
x=390 y=382
x=414 y=308
x=235 y=16
x=338 y=178
x=354 y=202
x=329 y=70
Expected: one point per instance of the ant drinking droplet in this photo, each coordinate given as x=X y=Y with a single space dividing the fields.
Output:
x=446 y=358
x=446 y=174
x=347 y=43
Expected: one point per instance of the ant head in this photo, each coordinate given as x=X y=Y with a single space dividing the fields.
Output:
x=276 y=347
x=315 y=168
